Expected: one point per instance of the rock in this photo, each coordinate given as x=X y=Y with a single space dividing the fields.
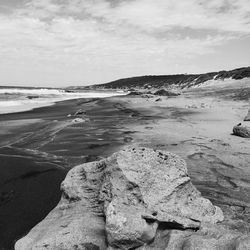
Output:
x=247 y=118
x=153 y=188
x=78 y=120
x=80 y=112
x=222 y=240
x=209 y=237
x=242 y=131
x=163 y=92
x=77 y=221
x=158 y=100
x=147 y=95
x=32 y=97
x=143 y=93
x=125 y=201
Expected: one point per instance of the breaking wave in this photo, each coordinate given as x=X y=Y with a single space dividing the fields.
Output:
x=23 y=99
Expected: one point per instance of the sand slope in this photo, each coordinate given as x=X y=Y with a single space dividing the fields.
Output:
x=198 y=126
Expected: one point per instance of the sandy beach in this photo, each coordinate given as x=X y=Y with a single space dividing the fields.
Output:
x=41 y=145
x=197 y=126
x=38 y=147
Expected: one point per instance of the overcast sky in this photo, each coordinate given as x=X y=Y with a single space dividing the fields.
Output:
x=80 y=42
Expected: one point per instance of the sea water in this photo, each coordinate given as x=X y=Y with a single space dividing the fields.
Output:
x=23 y=99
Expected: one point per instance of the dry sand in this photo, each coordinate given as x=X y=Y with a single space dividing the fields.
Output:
x=198 y=126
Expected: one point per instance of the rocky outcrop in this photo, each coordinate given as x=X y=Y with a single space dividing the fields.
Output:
x=247 y=118
x=163 y=92
x=143 y=94
x=138 y=198
x=242 y=131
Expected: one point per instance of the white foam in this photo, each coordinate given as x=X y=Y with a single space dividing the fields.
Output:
x=27 y=91
x=46 y=97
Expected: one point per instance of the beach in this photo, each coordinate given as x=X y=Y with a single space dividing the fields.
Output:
x=41 y=145
x=38 y=147
x=197 y=126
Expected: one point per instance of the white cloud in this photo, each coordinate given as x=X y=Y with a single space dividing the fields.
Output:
x=132 y=33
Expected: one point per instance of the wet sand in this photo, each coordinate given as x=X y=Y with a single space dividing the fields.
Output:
x=38 y=147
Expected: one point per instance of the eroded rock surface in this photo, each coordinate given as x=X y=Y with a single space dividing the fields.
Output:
x=138 y=198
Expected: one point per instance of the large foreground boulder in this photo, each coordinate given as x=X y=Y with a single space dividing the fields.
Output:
x=242 y=131
x=136 y=199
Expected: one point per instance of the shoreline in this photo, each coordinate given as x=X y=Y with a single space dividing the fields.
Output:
x=197 y=128
x=39 y=146
x=28 y=105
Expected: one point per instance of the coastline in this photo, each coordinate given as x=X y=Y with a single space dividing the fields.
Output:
x=42 y=100
x=196 y=127
x=38 y=147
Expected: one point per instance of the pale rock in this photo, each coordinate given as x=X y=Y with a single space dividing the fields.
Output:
x=129 y=200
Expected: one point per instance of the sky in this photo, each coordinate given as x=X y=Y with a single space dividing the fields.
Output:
x=58 y=43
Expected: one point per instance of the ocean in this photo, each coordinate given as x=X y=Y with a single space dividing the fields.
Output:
x=22 y=99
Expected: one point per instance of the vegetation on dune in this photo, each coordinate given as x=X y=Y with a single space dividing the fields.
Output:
x=165 y=81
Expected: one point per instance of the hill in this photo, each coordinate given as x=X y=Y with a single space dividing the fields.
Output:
x=160 y=81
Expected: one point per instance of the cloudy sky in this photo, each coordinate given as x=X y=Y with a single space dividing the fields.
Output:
x=66 y=42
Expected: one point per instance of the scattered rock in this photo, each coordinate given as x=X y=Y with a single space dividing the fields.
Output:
x=242 y=131
x=132 y=93
x=193 y=106
x=158 y=100
x=130 y=200
x=149 y=128
x=80 y=112
x=147 y=95
x=163 y=92
x=32 y=97
x=247 y=118
x=78 y=120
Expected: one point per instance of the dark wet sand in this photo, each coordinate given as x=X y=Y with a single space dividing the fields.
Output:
x=38 y=147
